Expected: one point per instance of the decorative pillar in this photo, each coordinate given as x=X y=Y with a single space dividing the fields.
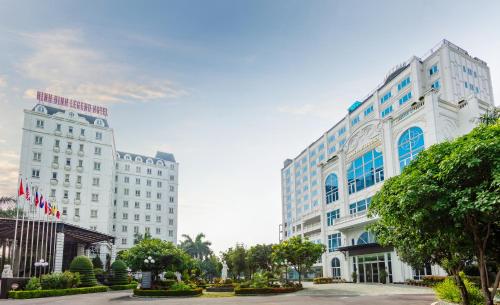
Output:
x=113 y=253
x=59 y=252
x=80 y=249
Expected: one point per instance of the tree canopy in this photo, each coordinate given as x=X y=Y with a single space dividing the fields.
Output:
x=197 y=248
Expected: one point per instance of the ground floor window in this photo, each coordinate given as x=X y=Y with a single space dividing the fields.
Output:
x=419 y=273
x=335 y=268
x=369 y=268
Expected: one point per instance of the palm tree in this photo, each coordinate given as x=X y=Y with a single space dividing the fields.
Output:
x=197 y=248
x=8 y=207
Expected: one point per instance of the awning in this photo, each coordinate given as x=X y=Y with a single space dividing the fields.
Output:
x=364 y=249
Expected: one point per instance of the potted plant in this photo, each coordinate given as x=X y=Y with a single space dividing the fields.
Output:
x=354 y=276
x=383 y=276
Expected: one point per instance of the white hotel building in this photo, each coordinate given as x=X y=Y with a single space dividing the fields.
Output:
x=71 y=158
x=327 y=188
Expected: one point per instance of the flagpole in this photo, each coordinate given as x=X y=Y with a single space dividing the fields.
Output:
x=20 y=245
x=37 y=233
x=55 y=243
x=27 y=229
x=33 y=229
x=19 y=193
x=49 y=250
x=42 y=241
x=46 y=237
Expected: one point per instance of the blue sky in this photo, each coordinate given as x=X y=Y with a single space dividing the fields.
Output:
x=232 y=88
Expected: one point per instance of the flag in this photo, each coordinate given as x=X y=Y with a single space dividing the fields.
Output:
x=21 y=189
x=36 y=199
x=58 y=214
x=42 y=201
x=27 y=192
x=47 y=207
x=54 y=210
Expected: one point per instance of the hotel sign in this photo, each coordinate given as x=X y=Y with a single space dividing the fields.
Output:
x=66 y=102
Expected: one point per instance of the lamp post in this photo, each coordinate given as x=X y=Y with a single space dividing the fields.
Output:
x=146 y=275
x=42 y=264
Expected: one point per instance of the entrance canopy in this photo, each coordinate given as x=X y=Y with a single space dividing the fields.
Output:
x=364 y=249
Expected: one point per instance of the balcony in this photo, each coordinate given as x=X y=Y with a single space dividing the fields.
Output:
x=353 y=220
x=76 y=218
x=80 y=153
x=81 y=137
x=79 y=169
x=78 y=201
x=55 y=165
x=66 y=183
x=65 y=200
x=53 y=181
x=56 y=149
x=57 y=132
x=70 y=135
x=78 y=185
x=408 y=111
x=67 y=167
x=69 y=151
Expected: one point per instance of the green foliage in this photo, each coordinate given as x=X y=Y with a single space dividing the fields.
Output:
x=58 y=280
x=23 y=294
x=119 y=273
x=259 y=280
x=299 y=253
x=33 y=284
x=354 y=276
x=254 y=291
x=124 y=287
x=447 y=290
x=84 y=267
x=98 y=271
x=167 y=293
x=180 y=286
x=197 y=248
x=432 y=280
x=259 y=258
x=165 y=284
x=97 y=263
x=210 y=267
x=236 y=260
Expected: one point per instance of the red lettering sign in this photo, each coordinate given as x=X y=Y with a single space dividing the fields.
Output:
x=63 y=101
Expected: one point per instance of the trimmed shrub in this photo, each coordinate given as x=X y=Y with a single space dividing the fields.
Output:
x=124 y=287
x=33 y=284
x=84 y=267
x=167 y=293
x=323 y=280
x=432 y=280
x=180 y=286
x=120 y=273
x=97 y=263
x=165 y=284
x=170 y=275
x=253 y=291
x=58 y=280
x=447 y=290
x=29 y=294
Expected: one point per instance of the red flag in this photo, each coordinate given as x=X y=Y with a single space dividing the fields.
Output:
x=46 y=207
x=21 y=189
x=27 y=192
x=36 y=199
x=58 y=214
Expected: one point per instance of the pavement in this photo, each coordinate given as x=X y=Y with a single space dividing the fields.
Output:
x=331 y=294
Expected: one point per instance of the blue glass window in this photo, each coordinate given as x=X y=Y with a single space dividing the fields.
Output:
x=331 y=138
x=341 y=142
x=365 y=171
x=366 y=238
x=355 y=120
x=342 y=131
x=332 y=149
x=334 y=241
x=359 y=206
x=465 y=70
x=369 y=110
x=386 y=111
x=433 y=70
x=405 y=98
x=436 y=85
x=385 y=97
x=336 y=273
x=321 y=157
x=331 y=216
x=321 y=146
x=466 y=85
x=331 y=188
x=405 y=82
x=410 y=144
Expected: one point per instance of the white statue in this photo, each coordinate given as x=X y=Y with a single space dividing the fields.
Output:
x=7 y=272
x=178 y=275
x=224 y=271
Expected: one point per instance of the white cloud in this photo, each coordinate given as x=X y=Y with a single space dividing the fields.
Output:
x=3 y=81
x=9 y=167
x=65 y=64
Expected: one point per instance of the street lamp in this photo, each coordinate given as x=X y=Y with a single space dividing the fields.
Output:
x=146 y=276
x=42 y=264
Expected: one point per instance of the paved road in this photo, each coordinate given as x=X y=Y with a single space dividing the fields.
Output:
x=336 y=294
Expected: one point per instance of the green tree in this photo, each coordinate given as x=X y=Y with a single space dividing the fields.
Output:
x=96 y=262
x=8 y=207
x=236 y=261
x=444 y=207
x=300 y=254
x=259 y=258
x=210 y=267
x=138 y=237
x=197 y=248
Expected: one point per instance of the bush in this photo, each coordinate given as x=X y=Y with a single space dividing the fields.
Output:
x=432 y=280
x=447 y=290
x=124 y=287
x=97 y=263
x=58 y=280
x=180 y=286
x=84 y=267
x=33 y=284
x=259 y=280
x=165 y=284
x=120 y=273
x=167 y=293
x=23 y=294
x=170 y=275
x=323 y=280
x=268 y=290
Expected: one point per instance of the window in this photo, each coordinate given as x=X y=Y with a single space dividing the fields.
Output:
x=125 y=216
x=65 y=211
x=171 y=210
x=137 y=205
x=138 y=169
x=172 y=178
x=171 y=199
x=386 y=111
x=95 y=181
x=334 y=241
x=359 y=206
x=124 y=229
x=93 y=213
x=65 y=194
x=58 y=127
x=80 y=163
x=159 y=173
x=148 y=182
x=365 y=171
x=35 y=173
x=331 y=216
x=385 y=97
x=335 y=267
x=125 y=203
x=95 y=197
x=171 y=188
x=170 y=233
x=66 y=178
x=410 y=144
x=405 y=98
x=342 y=130
x=77 y=212
x=98 y=135
x=158 y=183
x=147 y=229
x=38 y=140
x=81 y=147
x=433 y=70
x=170 y=222
x=148 y=194
x=97 y=151
x=331 y=188
x=37 y=156
x=355 y=120
x=137 y=193
x=136 y=229
x=137 y=181
x=158 y=231
x=56 y=143
x=79 y=179
x=127 y=167
x=158 y=207
x=39 y=123
x=158 y=195
x=366 y=238
x=124 y=241
x=148 y=217
x=405 y=82
x=53 y=193
x=82 y=132
x=149 y=171
x=77 y=196
x=148 y=206
x=97 y=166
x=158 y=218
x=368 y=110
x=70 y=129
x=136 y=217
x=436 y=85
x=126 y=179
x=68 y=161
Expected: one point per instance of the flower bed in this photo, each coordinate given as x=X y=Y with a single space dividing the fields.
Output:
x=167 y=293
x=29 y=294
x=123 y=287
x=256 y=291
x=220 y=288
x=327 y=280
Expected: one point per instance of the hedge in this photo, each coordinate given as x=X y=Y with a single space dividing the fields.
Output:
x=252 y=291
x=84 y=267
x=167 y=293
x=120 y=273
x=123 y=287
x=29 y=294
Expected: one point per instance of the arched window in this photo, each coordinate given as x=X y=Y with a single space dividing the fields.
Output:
x=410 y=144
x=138 y=159
x=366 y=238
x=335 y=268
x=331 y=188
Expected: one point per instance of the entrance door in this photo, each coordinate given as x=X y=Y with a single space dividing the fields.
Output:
x=368 y=273
x=375 y=273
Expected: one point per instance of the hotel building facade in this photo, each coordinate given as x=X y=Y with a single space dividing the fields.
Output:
x=71 y=158
x=327 y=188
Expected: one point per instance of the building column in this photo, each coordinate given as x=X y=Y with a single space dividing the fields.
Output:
x=59 y=252
x=113 y=253
x=80 y=250
x=103 y=250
